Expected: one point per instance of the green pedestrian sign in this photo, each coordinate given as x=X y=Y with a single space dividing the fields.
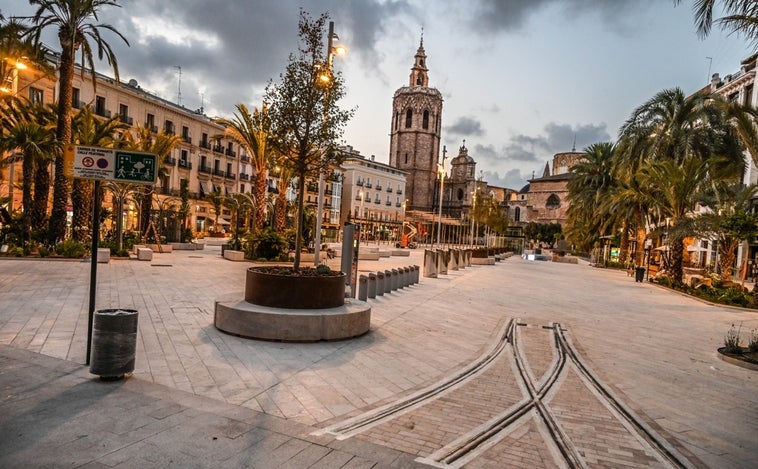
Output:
x=135 y=167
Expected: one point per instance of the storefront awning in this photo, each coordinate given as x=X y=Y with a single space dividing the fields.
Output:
x=204 y=188
x=223 y=221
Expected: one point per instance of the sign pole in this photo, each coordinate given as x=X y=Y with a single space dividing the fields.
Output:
x=93 y=265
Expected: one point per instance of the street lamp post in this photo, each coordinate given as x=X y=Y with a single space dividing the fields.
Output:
x=330 y=51
x=442 y=182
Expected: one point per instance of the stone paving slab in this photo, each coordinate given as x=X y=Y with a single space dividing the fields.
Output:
x=654 y=348
x=53 y=413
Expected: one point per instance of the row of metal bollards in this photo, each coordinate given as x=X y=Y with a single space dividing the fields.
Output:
x=438 y=262
x=381 y=282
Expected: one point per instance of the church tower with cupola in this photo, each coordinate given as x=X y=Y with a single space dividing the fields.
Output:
x=415 y=134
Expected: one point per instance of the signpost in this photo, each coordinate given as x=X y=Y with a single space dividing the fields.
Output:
x=106 y=164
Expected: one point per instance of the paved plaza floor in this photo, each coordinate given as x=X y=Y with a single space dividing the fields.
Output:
x=519 y=364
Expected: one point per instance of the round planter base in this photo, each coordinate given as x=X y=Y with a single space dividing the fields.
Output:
x=245 y=319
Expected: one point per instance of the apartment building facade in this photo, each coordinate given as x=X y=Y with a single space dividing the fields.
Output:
x=373 y=196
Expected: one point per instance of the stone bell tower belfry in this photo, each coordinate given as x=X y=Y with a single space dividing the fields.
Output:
x=415 y=134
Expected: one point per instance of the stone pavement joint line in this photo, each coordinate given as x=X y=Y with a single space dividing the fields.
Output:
x=272 y=404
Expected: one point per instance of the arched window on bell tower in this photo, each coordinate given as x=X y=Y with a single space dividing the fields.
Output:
x=408 y=118
x=425 y=122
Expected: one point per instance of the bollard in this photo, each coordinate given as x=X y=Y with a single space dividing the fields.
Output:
x=380 y=283
x=430 y=264
x=400 y=278
x=387 y=281
x=394 y=279
x=406 y=276
x=442 y=262
x=362 y=280
x=372 y=285
x=416 y=274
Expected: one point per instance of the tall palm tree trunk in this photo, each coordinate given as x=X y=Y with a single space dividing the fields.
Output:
x=27 y=168
x=41 y=193
x=677 y=258
x=260 y=199
x=61 y=188
x=81 y=199
x=280 y=206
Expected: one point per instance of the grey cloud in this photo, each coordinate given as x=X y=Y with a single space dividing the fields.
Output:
x=465 y=126
x=488 y=16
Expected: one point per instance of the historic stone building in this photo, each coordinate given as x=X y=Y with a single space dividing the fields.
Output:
x=415 y=134
x=544 y=199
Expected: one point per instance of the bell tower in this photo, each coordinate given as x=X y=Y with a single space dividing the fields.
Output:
x=415 y=134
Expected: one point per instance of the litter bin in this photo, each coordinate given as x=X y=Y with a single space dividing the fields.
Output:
x=114 y=343
x=639 y=274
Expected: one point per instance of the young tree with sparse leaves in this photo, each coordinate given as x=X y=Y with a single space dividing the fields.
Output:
x=305 y=118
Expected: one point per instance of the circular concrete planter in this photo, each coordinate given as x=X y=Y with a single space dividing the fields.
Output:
x=275 y=290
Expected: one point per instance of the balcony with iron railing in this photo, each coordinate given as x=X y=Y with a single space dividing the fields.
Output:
x=187 y=139
x=388 y=203
x=368 y=185
x=378 y=187
x=245 y=159
x=399 y=191
x=229 y=175
x=230 y=152
x=358 y=197
x=103 y=113
x=126 y=120
x=205 y=169
x=398 y=204
x=153 y=128
x=205 y=144
x=218 y=148
x=377 y=201
x=219 y=172
x=244 y=176
x=389 y=188
x=359 y=183
x=170 y=160
x=185 y=164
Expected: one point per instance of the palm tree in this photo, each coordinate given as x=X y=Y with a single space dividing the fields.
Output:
x=591 y=183
x=35 y=141
x=741 y=17
x=729 y=223
x=250 y=131
x=75 y=31
x=89 y=130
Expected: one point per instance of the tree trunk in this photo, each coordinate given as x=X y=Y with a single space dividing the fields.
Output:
x=727 y=255
x=299 y=220
x=280 y=206
x=27 y=174
x=81 y=199
x=260 y=199
x=41 y=194
x=677 y=258
x=624 y=245
x=61 y=188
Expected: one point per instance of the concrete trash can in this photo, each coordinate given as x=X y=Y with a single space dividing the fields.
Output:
x=114 y=342
x=639 y=274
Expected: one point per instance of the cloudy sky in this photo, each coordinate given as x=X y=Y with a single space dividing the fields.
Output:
x=521 y=79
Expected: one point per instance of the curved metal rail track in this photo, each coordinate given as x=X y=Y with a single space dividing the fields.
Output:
x=473 y=442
